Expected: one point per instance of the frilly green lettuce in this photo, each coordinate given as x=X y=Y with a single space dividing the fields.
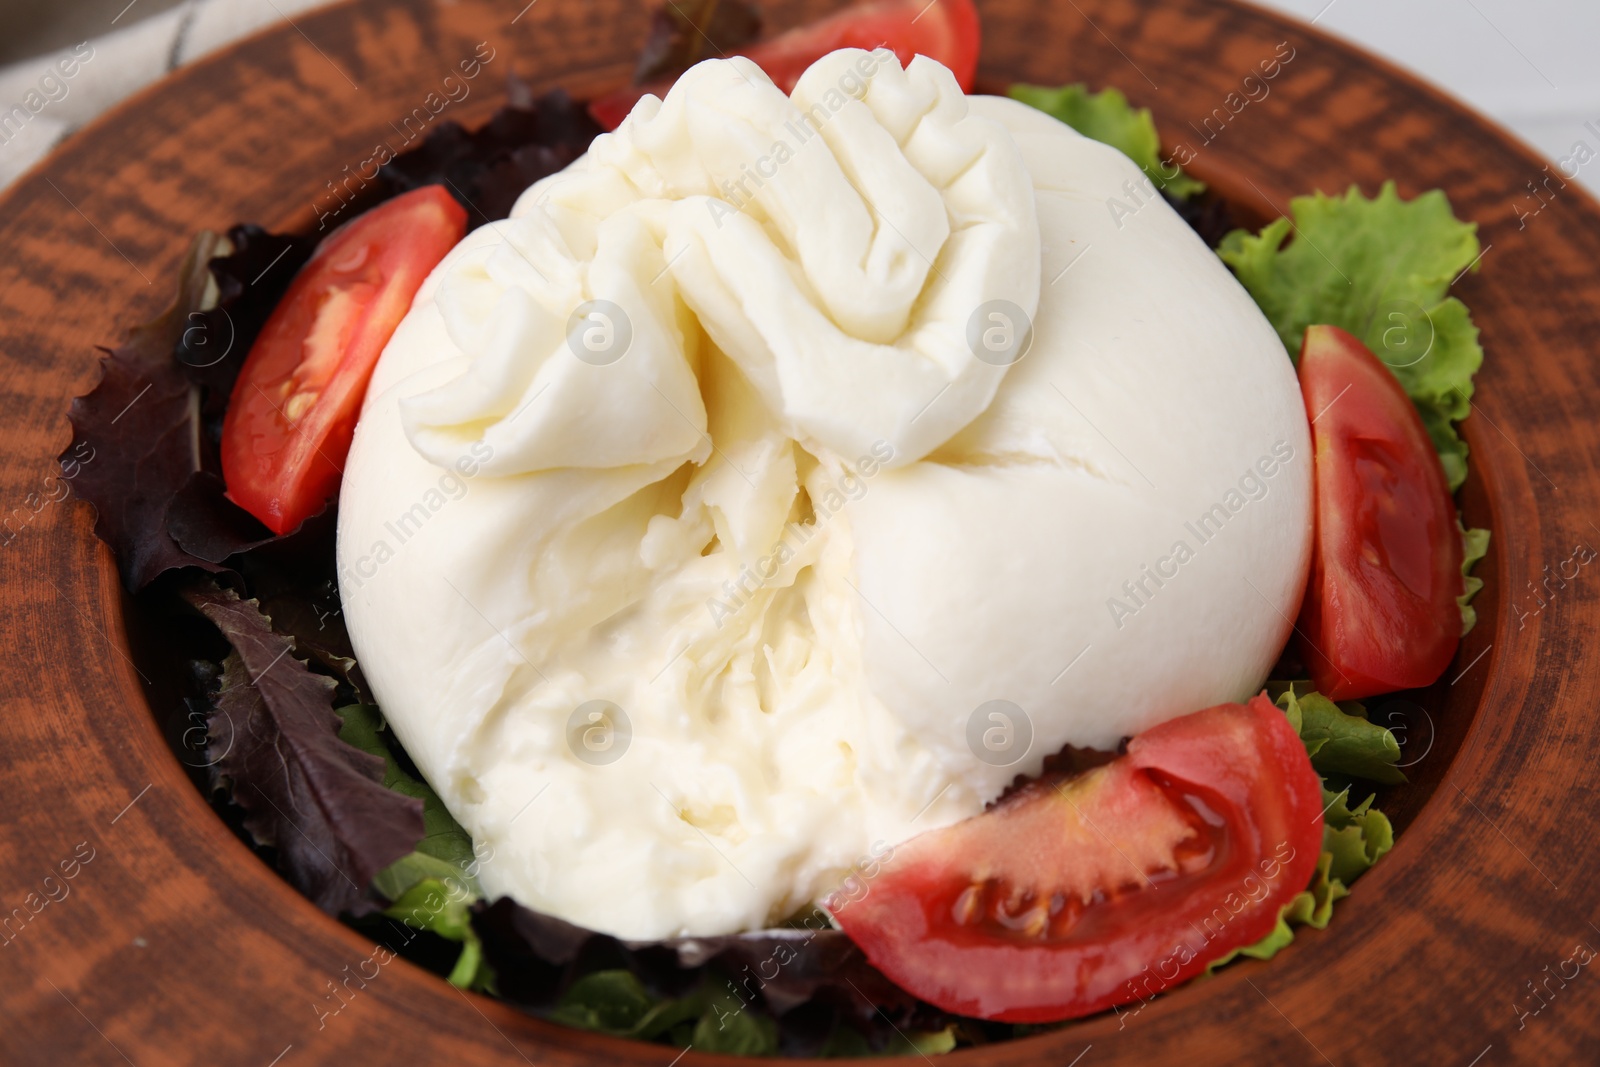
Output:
x=1107 y=117
x=1379 y=268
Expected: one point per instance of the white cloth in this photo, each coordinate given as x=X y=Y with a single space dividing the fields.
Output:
x=134 y=54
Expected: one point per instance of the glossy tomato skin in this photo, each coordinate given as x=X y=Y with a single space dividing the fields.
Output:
x=294 y=406
x=946 y=30
x=1380 y=611
x=951 y=915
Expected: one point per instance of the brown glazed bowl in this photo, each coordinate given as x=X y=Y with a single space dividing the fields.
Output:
x=175 y=945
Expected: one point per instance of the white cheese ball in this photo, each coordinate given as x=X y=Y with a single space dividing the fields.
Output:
x=686 y=611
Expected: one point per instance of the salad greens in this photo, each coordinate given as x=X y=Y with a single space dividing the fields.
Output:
x=443 y=839
x=143 y=401
x=274 y=746
x=1379 y=268
x=1339 y=738
x=710 y=1019
x=486 y=169
x=435 y=885
x=1475 y=545
x=1107 y=117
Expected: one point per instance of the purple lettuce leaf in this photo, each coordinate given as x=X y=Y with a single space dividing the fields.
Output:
x=295 y=579
x=140 y=426
x=488 y=168
x=250 y=275
x=275 y=748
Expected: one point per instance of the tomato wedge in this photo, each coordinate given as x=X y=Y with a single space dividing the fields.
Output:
x=1076 y=894
x=294 y=406
x=946 y=30
x=1380 y=612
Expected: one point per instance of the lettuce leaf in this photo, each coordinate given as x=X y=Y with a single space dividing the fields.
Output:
x=139 y=426
x=710 y=1018
x=251 y=270
x=1107 y=117
x=1355 y=838
x=1474 y=545
x=1381 y=269
x=443 y=838
x=488 y=168
x=275 y=747
x=1340 y=739
x=616 y=1002
x=295 y=578
x=847 y=1043
x=434 y=887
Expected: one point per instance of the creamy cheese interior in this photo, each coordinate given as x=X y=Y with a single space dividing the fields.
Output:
x=687 y=543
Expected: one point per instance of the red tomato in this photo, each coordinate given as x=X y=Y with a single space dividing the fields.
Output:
x=293 y=410
x=1075 y=894
x=1380 y=612
x=946 y=30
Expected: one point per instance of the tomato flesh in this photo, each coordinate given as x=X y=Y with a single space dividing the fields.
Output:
x=294 y=406
x=1380 y=611
x=946 y=30
x=1073 y=895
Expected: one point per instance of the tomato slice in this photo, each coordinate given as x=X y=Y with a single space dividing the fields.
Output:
x=1072 y=895
x=294 y=406
x=1380 y=612
x=946 y=30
